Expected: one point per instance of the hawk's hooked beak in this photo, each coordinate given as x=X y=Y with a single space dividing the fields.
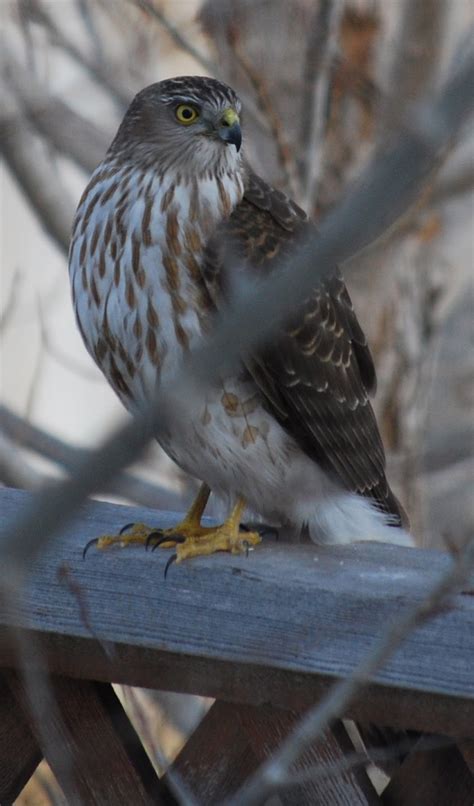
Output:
x=228 y=128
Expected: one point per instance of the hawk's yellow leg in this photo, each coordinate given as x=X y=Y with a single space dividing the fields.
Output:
x=190 y=538
x=227 y=537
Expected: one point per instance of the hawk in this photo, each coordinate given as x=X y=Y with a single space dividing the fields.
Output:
x=291 y=434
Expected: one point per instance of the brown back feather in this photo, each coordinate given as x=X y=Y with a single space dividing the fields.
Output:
x=317 y=373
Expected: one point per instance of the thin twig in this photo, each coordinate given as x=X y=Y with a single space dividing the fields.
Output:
x=317 y=96
x=87 y=17
x=456 y=183
x=67 y=362
x=389 y=185
x=415 y=60
x=27 y=161
x=127 y=485
x=15 y=471
x=275 y=772
x=181 y=41
x=67 y=131
x=373 y=755
x=104 y=74
x=285 y=156
x=10 y=304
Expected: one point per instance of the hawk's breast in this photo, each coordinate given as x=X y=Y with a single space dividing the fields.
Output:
x=134 y=263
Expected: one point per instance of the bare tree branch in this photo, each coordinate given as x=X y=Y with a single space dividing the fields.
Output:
x=21 y=432
x=285 y=156
x=104 y=73
x=27 y=162
x=66 y=361
x=71 y=134
x=415 y=59
x=181 y=41
x=15 y=471
x=391 y=182
x=455 y=183
x=9 y=304
x=322 y=50
x=373 y=755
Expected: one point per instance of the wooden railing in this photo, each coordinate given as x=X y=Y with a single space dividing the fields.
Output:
x=265 y=635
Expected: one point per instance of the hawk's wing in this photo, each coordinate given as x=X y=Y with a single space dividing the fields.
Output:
x=317 y=373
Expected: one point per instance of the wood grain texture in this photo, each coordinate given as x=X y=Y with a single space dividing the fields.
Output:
x=431 y=778
x=233 y=740
x=91 y=746
x=217 y=758
x=277 y=627
x=267 y=727
x=20 y=753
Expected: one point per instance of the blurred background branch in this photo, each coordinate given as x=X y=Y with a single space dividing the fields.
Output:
x=16 y=471
x=56 y=121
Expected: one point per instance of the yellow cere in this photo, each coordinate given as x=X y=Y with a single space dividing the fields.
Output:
x=186 y=114
x=230 y=117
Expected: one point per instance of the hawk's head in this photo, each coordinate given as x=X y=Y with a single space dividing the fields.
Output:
x=190 y=123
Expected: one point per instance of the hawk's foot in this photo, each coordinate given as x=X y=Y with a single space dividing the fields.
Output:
x=221 y=538
x=130 y=534
x=142 y=534
x=230 y=537
x=189 y=537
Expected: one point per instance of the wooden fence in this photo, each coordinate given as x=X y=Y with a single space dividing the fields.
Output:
x=265 y=635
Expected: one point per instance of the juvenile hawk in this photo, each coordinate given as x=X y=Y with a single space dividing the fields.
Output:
x=292 y=435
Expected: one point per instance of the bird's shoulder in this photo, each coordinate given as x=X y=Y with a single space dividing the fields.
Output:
x=262 y=230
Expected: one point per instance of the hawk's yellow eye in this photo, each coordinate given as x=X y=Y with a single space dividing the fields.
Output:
x=186 y=114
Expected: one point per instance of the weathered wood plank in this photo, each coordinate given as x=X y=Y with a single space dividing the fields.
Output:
x=217 y=758
x=91 y=746
x=438 y=777
x=233 y=740
x=266 y=727
x=279 y=626
x=19 y=751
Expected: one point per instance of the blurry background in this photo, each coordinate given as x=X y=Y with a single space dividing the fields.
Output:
x=322 y=82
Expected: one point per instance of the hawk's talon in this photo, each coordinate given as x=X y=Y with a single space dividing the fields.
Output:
x=94 y=541
x=157 y=533
x=164 y=538
x=172 y=559
x=126 y=527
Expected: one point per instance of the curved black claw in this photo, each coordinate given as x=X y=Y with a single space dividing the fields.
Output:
x=126 y=528
x=168 y=539
x=93 y=542
x=156 y=534
x=170 y=562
